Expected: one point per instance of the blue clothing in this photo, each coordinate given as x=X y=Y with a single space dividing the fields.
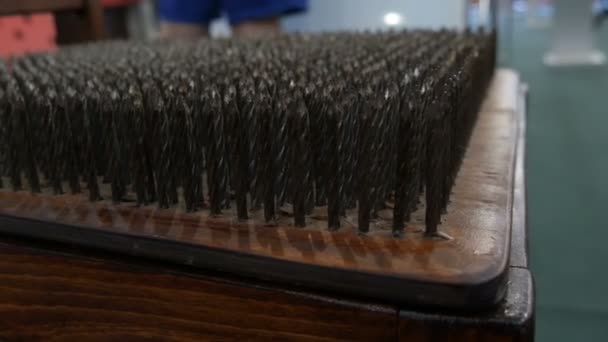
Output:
x=600 y=6
x=204 y=11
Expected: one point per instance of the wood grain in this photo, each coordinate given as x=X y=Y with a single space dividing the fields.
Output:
x=48 y=297
x=467 y=271
x=513 y=319
x=95 y=19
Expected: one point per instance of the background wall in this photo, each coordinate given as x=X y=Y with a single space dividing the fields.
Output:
x=331 y=15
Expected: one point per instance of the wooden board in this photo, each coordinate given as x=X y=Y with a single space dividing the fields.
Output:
x=467 y=271
x=50 y=296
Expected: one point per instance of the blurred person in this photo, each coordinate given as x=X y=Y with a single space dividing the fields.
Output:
x=601 y=12
x=191 y=18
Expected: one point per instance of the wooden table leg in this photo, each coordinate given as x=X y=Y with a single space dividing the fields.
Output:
x=80 y=25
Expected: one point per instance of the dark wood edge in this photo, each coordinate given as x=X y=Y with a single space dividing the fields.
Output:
x=61 y=293
x=10 y=7
x=333 y=280
x=513 y=317
x=121 y=261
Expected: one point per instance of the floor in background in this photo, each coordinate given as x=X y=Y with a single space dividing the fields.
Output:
x=567 y=190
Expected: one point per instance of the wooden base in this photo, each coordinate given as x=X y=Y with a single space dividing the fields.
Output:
x=59 y=296
x=67 y=296
x=467 y=271
x=59 y=292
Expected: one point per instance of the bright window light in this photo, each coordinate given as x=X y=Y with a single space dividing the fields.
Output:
x=393 y=19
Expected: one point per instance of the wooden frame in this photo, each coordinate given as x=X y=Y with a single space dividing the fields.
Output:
x=58 y=291
x=468 y=271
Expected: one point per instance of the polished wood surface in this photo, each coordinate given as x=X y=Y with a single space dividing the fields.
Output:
x=413 y=269
x=49 y=296
x=513 y=319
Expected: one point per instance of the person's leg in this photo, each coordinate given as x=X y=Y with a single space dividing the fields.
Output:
x=186 y=18
x=260 y=17
x=257 y=27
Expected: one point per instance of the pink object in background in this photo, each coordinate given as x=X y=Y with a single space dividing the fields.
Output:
x=28 y=33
